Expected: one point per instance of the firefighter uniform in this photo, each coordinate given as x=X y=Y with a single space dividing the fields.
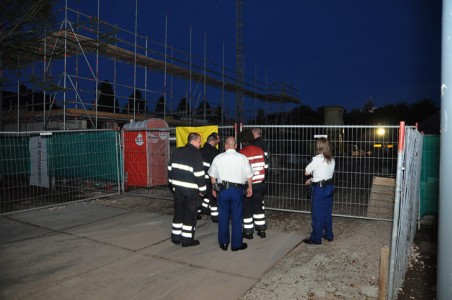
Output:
x=187 y=178
x=209 y=203
x=253 y=207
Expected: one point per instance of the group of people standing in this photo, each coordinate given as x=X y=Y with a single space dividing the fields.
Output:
x=230 y=185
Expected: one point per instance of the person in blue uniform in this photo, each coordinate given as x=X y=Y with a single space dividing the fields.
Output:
x=229 y=172
x=186 y=177
x=321 y=170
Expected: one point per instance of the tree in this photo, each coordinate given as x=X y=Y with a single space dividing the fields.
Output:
x=369 y=106
x=304 y=114
x=160 y=106
x=22 y=24
x=136 y=103
x=260 y=117
x=183 y=107
x=219 y=115
x=107 y=101
x=204 y=107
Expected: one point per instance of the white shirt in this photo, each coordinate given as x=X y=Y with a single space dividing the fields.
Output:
x=320 y=169
x=231 y=166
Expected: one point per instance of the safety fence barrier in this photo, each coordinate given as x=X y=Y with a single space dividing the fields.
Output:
x=406 y=206
x=366 y=163
x=39 y=169
x=377 y=172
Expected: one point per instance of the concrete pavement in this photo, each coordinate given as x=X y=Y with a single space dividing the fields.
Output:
x=90 y=251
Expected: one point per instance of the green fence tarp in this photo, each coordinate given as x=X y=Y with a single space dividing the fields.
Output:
x=430 y=176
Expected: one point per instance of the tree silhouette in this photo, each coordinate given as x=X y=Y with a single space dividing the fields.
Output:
x=160 y=105
x=138 y=106
x=203 y=108
x=106 y=100
x=22 y=25
x=183 y=107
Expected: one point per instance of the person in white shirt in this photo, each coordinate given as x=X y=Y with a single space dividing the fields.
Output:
x=321 y=170
x=229 y=172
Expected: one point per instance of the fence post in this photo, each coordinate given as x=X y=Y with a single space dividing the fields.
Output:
x=444 y=273
x=395 y=221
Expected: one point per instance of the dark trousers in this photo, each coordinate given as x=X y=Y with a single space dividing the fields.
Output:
x=209 y=203
x=322 y=212
x=253 y=210
x=230 y=209
x=185 y=212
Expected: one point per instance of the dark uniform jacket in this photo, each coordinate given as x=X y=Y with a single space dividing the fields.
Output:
x=208 y=154
x=260 y=143
x=185 y=169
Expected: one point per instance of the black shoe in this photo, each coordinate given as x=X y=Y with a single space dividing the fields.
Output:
x=176 y=242
x=243 y=247
x=262 y=234
x=248 y=236
x=310 y=242
x=190 y=243
x=224 y=247
x=329 y=240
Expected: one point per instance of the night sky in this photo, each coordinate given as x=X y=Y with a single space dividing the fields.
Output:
x=333 y=52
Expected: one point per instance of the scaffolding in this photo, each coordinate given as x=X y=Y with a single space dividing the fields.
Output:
x=87 y=60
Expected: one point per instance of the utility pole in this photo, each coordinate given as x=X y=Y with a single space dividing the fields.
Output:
x=239 y=62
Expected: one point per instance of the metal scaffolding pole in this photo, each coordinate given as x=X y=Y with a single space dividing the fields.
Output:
x=135 y=63
x=222 y=90
x=164 y=73
x=444 y=275
x=239 y=63
x=205 y=74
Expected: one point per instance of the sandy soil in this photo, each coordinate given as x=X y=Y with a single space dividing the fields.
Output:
x=346 y=268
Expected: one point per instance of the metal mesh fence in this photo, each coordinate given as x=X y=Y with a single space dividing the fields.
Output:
x=362 y=154
x=366 y=162
x=49 y=168
x=406 y=209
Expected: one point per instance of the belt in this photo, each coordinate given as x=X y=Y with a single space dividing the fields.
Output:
x=322 y=183
x=226 y=184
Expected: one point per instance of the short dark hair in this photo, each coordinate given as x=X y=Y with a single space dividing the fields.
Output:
x=212 y=136
x=193 y=136
x=246 y=136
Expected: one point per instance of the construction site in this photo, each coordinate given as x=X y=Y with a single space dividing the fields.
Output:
x=87 y=73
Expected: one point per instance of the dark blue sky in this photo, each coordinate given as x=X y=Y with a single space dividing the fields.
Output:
x=334 y=52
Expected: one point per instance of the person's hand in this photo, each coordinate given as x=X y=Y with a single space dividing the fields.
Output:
x=214 y=193
x=249 y=192
x=308 y=182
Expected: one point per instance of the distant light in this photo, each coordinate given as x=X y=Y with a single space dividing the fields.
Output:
x=381 y=131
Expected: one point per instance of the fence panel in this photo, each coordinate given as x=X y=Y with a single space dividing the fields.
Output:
x=406 y=208
x=48 y=168
x=363 y=154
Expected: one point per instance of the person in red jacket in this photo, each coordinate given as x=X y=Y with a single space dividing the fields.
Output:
x=253 y=207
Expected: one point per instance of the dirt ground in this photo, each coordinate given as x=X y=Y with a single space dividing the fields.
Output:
x=347 y=268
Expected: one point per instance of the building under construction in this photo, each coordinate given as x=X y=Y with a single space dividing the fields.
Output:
x=88 y=73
